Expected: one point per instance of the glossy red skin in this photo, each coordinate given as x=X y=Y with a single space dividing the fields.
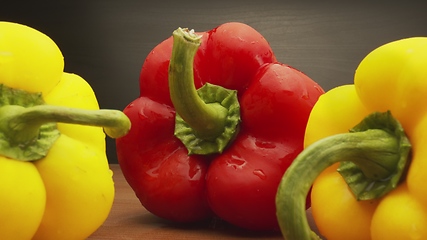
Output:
x=240 y=184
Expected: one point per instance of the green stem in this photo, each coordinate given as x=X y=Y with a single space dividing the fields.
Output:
x=23 y=123
x=206 y=119
x=380 y=154
x=27 y=133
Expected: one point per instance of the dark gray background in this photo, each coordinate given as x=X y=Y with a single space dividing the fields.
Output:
x=106 y=41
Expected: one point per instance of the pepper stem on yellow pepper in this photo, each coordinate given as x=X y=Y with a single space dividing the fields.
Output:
x=207 y=119
x=24 y=122
x=28 y=126
x=373 y=157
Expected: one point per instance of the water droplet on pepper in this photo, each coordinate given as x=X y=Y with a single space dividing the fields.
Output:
x=260 y=174
x=236 y=162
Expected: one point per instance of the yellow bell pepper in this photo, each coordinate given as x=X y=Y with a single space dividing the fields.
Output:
x=391 y=81
x=54 y=174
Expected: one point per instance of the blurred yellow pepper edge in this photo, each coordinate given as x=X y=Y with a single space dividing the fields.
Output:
x=68 y=193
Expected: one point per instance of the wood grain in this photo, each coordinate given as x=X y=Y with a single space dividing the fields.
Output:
x=129 y=220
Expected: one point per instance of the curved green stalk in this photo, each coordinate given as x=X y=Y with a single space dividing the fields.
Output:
x=207 y=118
x=377 y=148
x=21 y=120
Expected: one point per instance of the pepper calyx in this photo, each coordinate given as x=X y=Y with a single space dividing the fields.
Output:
x=207 y=119
x=225 y=100
x=379 y=171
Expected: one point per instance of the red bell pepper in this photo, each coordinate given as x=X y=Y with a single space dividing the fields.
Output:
x=239 y=132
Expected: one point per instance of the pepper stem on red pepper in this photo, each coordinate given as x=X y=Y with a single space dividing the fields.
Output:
x=207 y=119
x=28 y=126
x=373 y=157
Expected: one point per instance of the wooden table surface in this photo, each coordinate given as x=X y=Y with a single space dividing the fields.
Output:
x=129 y=220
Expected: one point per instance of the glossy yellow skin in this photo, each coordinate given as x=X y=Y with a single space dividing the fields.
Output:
x=69 y=193
x=392 y=77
